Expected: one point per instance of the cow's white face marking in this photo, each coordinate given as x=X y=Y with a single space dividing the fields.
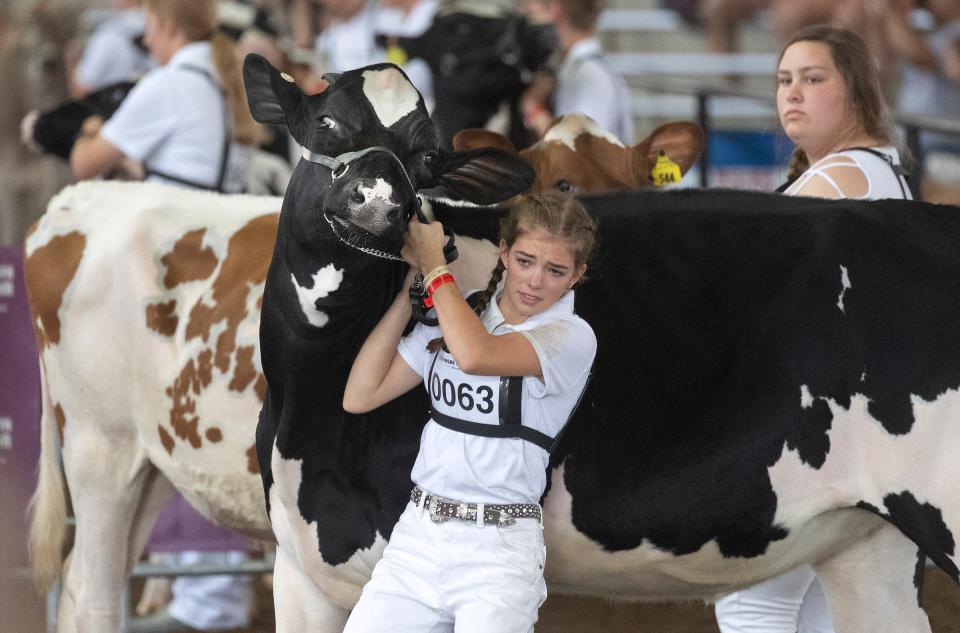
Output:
x=390 y=94
x=573 y=125
x=325 y=281
x=381 y=191
x=845 y=285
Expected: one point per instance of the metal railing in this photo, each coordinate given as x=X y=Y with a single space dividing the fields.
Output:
x=704 y=91
x=152 y=570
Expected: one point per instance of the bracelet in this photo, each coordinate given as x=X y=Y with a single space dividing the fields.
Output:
x=436 y=282
x=433 y=274
x=432 y=287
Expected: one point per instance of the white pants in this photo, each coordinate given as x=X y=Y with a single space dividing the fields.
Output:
x=789 y=603
x=211 y=603
x=454 y=576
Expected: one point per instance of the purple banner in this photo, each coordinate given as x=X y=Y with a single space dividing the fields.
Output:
x=19 y=398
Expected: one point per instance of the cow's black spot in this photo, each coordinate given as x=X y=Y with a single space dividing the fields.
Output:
x=923 y=523
x=809 y=437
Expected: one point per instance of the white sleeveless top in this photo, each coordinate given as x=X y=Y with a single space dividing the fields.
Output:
x=883 y=179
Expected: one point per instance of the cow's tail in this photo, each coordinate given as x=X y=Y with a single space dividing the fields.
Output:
x=48 y=507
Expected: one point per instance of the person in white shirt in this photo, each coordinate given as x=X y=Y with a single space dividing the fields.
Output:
x=111 y=54
x=830 y=103
x=350 y=27
x=504 y=372
x=186 y=122
x=586 y=82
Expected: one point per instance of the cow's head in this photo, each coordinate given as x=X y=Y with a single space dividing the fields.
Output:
x=368 y=146
x=480 y=55
x=578 y=155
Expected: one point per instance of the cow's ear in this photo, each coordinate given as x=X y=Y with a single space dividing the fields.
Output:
x=682 y=141
x=486 y=175
x=474 y=138
x=273 y=97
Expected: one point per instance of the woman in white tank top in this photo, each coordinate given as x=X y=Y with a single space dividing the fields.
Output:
x=831 y=106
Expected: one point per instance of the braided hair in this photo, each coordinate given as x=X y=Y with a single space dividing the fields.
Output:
x=557 y=214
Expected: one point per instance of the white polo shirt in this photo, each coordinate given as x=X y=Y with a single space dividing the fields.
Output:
x=479 y=469
x=111 y=55
x=173 y=122
x=588 y=84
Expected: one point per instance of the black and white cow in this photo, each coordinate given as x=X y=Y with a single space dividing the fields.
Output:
x=481 y=56
x=331 y=478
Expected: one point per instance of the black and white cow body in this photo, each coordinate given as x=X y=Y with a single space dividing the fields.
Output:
x=335 y=483
x=772 y=374
x=768 y=369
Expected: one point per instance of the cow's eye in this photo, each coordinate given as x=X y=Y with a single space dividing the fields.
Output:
x=430 y=158
x=326 y=123
x=563 y=185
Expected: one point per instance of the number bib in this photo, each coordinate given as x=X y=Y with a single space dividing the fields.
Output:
x=488 y=406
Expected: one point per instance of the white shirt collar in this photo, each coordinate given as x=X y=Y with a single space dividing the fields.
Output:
x=584 y=48
x=193 y=54
x=492 y=316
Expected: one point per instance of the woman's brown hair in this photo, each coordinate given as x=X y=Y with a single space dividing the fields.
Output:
x=197 y=20
x=559 y=215
x=860 y=75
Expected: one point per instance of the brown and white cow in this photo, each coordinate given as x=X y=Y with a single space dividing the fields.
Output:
x=145 y=302
x=577 y=155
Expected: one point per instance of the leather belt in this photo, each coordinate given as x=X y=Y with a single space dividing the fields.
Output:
x=442 y=510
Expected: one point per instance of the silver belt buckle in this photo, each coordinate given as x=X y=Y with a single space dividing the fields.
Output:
x=434 y=509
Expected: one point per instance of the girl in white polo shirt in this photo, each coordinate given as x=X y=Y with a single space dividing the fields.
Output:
x=503 y=380
x=186 y=122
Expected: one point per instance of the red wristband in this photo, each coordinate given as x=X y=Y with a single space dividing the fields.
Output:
x=439 y=281
x=432 y=287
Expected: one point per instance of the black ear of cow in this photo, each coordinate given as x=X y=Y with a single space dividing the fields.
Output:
x=271 y=97
x=483 y=176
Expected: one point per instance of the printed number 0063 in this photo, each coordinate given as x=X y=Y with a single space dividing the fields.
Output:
x=462 y=394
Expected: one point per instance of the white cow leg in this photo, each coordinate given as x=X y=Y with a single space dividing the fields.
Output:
x=106 y=491
x=66 y=610
x=299 y=606
x=870 y=585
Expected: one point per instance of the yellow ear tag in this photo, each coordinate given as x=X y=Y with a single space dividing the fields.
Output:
x=286 y=77
x=396 y=55
x=666 y=171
